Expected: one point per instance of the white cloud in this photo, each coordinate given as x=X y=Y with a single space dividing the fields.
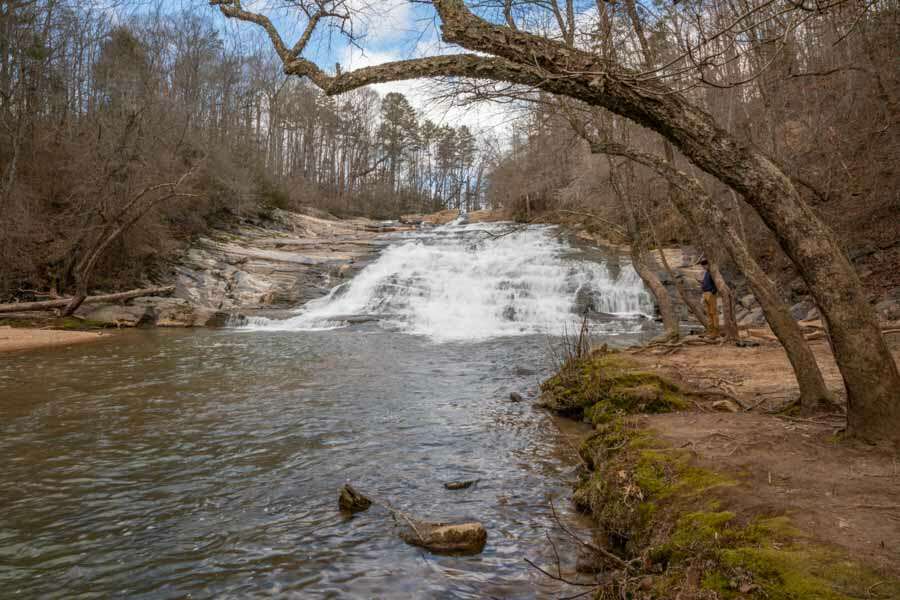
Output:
x=383 y=21
x=482 y=116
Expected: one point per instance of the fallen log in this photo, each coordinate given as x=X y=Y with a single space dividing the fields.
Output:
x=63 y=302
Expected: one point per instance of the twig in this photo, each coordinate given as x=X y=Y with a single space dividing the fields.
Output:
x=597 y=549
x=557 y=577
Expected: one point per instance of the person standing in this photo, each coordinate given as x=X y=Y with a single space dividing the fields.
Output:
x=710 y=299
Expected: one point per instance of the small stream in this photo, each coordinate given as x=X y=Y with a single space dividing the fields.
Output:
x=201 y=464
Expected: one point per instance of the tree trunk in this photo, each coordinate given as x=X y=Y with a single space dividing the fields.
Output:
x=691 y=303
x=639 y=257
x=699 y=209
x=81 y=293
x=728 y=320
x=660 y=293
x=60 y=303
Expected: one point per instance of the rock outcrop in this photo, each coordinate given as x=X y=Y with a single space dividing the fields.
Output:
x=294 y=259
x=280 y=262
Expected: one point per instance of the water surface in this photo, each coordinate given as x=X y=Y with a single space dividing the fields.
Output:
x=171 y=464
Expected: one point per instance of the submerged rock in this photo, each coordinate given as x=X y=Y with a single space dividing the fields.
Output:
x=352 y=501
x=515 y=397
x=589 y=563
x=461 y=485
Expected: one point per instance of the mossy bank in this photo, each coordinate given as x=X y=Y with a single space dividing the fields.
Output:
x=685 y=530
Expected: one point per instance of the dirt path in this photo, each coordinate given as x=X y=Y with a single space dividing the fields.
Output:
x=841 y=492
x=14 y=339
x=759 y=377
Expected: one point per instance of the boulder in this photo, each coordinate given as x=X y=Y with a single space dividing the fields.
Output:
x=465 y=538
x=805 y=310
x=515 y=397
x=888 y=309
x=747 y=301
x=117 y=315
x=207 y=317
x=170 y=312
x=755 y=318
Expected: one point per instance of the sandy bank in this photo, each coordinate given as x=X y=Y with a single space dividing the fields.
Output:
x=16 y=339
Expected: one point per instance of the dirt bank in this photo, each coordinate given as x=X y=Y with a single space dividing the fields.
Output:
x=15 y=339
x=694 y=501
x=760 y=376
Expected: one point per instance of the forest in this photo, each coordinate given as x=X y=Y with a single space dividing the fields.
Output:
x=450 y=298
x=126 y=113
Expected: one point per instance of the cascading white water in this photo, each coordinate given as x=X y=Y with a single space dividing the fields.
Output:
x=470 y=282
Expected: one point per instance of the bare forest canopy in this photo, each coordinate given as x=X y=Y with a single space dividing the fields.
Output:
x=103 y=111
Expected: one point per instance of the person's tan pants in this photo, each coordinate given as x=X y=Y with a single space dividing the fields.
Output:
x=712 y=312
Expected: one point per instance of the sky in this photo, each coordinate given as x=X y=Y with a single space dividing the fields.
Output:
x=387 y=30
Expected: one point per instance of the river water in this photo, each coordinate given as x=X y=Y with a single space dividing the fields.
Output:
x=200 y=464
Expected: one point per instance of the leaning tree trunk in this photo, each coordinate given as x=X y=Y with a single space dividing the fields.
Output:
x=690 y=302
x=660 y=293
x=704 y=214
x=639 y=259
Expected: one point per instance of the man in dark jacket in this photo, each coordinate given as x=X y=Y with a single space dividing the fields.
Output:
x=710 y=299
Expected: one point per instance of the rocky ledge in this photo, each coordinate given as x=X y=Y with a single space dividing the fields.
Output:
x=277 y=263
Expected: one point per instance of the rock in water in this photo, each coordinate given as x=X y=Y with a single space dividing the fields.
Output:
x=468 y=538
x=352 y=501
x=515 y=397
x=460 y=485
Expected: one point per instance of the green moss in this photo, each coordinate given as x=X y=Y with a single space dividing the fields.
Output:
x=802 y=570
x=606 y=385
x=693 y=480
x=604 y=443
x=698 y=532
x=652 y=500
x=653 y=472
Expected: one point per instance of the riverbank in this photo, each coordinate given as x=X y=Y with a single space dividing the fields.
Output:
x=694 y=497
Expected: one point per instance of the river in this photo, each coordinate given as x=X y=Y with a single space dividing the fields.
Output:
x=177 y=463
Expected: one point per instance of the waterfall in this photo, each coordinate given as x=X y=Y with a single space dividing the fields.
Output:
x=470 y=282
